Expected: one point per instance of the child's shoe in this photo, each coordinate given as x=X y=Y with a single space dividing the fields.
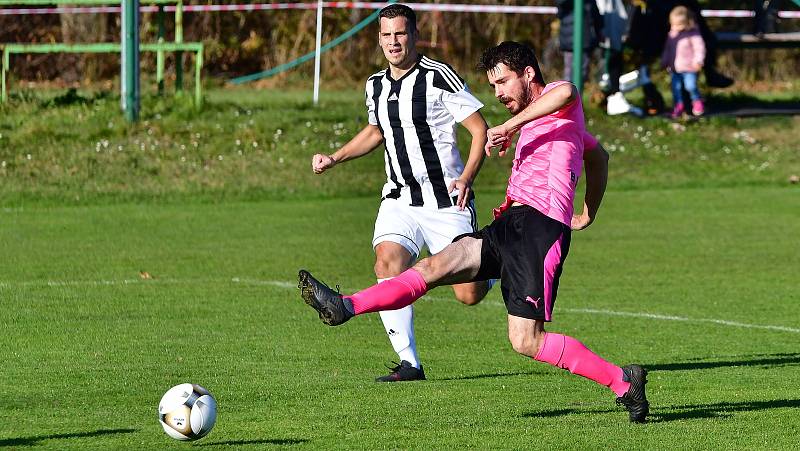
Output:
x=677 y=111
x=698 y=108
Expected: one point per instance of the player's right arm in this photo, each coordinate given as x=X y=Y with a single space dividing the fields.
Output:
x=363 y=143
x=550 y=102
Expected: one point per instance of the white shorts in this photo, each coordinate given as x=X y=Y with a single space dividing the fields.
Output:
x=418 y=227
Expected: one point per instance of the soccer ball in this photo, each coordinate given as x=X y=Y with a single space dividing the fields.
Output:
x=187 y=412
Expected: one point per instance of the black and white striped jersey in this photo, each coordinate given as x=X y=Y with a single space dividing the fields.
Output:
x=418 y=116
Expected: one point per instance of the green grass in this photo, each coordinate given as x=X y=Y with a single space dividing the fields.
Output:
x=89 y=347
x=250 y=145
x=689 y=270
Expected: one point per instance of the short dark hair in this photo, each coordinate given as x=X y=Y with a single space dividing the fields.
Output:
x=514 y=55
x=400 y=10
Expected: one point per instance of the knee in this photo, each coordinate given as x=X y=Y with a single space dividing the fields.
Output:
x=384 y=268
x=527 y=345
x=471 y=293
x=389 y=266
x=470 y=298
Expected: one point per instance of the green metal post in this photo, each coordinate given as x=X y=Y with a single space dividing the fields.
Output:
x=160 y=54
x=179 y=39
x=577 y=46
x=6 y=60
x=130 y=59
x=198 y=66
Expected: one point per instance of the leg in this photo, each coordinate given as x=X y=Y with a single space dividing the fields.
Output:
x=440 y=228
x=457 y=263
x=759 y=20
x=391 y=259
x=677 y=88
x=471 y=293
x=677 y=95
x=529 y=338
x=690 y=84
x=772 y=8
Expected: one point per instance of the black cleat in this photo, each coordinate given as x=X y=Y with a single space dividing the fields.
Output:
x=403 y=372
x=635 y=400
x=328 y=303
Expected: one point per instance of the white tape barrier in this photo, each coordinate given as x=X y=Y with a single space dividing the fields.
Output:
x=502 y=9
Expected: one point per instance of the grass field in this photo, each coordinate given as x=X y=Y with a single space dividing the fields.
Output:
x=698 y=285
x=252 y=145
x=690 y=270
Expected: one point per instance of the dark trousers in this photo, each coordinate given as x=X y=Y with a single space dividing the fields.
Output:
x=766 y=19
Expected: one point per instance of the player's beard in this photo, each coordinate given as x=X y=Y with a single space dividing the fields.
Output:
x=523 y=101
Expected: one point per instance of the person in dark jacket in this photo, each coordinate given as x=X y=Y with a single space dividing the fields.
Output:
x=592 y=33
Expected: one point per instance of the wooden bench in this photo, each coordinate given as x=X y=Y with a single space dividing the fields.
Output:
x=178 y=46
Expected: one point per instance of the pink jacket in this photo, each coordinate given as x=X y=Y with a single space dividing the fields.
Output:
x=682 y=50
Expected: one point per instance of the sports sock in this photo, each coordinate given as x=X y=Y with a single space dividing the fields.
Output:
x=570 y=354
x=392 y=294
x=399 y=325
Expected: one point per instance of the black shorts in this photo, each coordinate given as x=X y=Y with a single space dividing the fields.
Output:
x=526 y=250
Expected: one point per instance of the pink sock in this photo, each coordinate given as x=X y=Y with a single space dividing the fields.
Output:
x=570 y=354
x=390 y=294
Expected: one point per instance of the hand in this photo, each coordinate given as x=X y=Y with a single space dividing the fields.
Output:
x=500 y=136
x=581 y=221
x=464 y=188
x=321 y=162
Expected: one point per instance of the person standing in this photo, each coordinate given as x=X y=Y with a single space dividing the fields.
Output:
x=649 y=28
x=684 y=53
x=413 y=108
x=592 y=26
x=615 y=26
x=527 y=243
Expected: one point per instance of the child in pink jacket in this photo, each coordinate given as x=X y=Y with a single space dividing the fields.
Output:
x=683 y=56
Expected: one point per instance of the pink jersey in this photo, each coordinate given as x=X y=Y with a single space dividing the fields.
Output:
x=549 y=161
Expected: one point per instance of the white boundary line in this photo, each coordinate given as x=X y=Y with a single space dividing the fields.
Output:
x=291 y=285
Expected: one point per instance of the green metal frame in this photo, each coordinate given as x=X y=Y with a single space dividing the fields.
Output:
x=110 y=47
x=178 y=46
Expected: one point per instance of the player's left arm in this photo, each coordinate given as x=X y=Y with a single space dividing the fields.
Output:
x=595 y=162
x=476 y=125
x=552 y=101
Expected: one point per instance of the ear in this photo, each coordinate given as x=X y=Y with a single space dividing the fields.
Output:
x=530 y=74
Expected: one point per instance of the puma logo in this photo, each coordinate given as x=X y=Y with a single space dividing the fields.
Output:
x=535 y=302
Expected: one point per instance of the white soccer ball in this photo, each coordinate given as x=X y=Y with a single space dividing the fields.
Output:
x=187 y=412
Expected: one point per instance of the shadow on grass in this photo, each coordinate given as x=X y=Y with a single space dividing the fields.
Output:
x=721 y=409
x=33 y=441
x=747 y=105
x=766 y=360
x=487 y=376
x=274 y=441
x=684 y=412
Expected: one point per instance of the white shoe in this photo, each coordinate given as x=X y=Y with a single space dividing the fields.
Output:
x=617 y=104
